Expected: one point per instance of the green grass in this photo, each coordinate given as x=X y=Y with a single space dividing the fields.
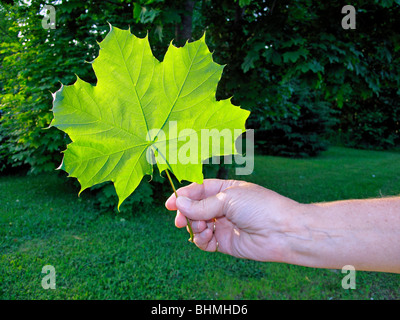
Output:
x=143 y=256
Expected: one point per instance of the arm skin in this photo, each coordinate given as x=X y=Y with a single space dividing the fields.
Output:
x=361 y=233
x=253 y=222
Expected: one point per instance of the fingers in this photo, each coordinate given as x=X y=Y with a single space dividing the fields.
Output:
x=180 y=220
x=206 y=209
x=197 y=226
x=194 y=191
x=200 y=204
x=204 y=236
x=205 y=240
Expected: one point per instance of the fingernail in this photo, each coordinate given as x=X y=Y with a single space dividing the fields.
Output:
x=183 y=203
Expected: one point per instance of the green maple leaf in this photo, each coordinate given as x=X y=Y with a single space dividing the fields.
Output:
x=141 y=105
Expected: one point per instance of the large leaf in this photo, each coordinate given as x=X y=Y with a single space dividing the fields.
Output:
x=141 y=106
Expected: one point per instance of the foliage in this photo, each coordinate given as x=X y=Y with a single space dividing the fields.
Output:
x=303 y=134
x=274 y=51
x=34 y=61
x=29 y=74
x=142 y=109
x=106 y=197
x=374 y=124
x=279 y=44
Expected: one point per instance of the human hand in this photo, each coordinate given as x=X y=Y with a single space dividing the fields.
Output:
x=251 y=221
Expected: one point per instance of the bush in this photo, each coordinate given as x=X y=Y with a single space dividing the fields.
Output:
x=374 y=124
x=151 y=190
x=106 y=198
x=301 y=134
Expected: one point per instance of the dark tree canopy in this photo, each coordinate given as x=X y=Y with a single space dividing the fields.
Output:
x=291 y=63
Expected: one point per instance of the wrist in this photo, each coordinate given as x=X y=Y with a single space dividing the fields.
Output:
x=307 y=238
x=360 y=233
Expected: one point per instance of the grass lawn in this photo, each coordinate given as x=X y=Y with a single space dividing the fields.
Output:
x=143 y=256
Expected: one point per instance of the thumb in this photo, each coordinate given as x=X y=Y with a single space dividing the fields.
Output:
x=206 y=209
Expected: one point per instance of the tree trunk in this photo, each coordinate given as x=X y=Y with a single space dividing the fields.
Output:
x=183 y=31
x=222 y=172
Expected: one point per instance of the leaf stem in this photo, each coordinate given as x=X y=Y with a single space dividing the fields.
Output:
x=176 y=196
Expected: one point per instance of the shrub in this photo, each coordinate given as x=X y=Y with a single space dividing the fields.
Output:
x=374 y=123
x=300 y=134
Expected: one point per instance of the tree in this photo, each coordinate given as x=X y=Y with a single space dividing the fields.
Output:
x=290 y=62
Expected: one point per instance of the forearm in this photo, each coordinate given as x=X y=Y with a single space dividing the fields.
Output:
x=361 y=233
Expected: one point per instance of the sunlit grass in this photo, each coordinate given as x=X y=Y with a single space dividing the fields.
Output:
x=143 y=256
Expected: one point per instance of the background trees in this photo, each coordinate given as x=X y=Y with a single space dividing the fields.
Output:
x=302 y=75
